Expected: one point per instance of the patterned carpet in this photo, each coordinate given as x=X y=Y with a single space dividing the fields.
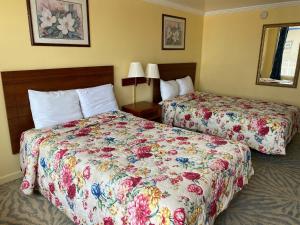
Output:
x=271 y=198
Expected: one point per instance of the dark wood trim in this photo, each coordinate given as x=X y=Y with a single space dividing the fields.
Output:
x=163 y=29
x=296 y=77
x=172 y=71
x=33 y=43
x=133 y=81
x=17 y=83
x=146 y=110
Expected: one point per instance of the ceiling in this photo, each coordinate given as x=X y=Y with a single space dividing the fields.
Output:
x=211 y=5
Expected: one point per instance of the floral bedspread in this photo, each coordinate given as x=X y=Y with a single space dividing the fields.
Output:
x=265 y=126
x=115 y=168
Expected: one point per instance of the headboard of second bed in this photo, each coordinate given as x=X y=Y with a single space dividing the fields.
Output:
x=17 y=83
x=172 y=71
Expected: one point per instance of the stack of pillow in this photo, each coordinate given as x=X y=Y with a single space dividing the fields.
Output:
x=57 y=107
x=173 y=88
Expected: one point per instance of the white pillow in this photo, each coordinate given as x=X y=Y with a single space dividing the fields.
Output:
x=54 y=107
x=186 y=85
x=97 y=100
x=169 y=89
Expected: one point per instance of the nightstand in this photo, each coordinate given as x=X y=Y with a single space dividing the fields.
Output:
x=146 y=110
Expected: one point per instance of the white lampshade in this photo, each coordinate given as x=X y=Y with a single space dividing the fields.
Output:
x=136 y=70
x=152 y=71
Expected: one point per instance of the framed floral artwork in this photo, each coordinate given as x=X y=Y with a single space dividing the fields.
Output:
x=59 y=22
x=173 y=32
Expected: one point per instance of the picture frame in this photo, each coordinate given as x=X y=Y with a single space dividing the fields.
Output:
x=59 y=22
x=173 y=32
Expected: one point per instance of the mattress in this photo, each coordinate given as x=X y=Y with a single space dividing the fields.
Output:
x=115 y=168
x=265 y=126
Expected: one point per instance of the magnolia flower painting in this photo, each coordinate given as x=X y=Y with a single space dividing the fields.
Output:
x=173 y=37
x=57 y=22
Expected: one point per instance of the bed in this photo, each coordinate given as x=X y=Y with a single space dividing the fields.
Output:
x=264 y=126
x=114 y=168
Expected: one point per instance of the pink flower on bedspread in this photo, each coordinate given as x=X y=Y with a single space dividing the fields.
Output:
x=51 y=187
x=57 y=202
x=191 y=175
x=179 y=216
x=106 y=155
x=261 y=123
x=66 y=176
x=193 y=96
x=181 y=138
x=139 y=210
x=60 y=154
x=108 y=221
x=107 y=149
x=263 y=131
x=240 y=137
x=25 y=184
x=144 y=152
x=131 y=182
x=148 y=125
x=124 y=220
x=237 y=128
x=87 y=173
x=72 y=191
x=187 y=117
x=71 y=124
x=84 y=132
x=76 y=220
x=176 y=180
x=213 y=209
x=219 y=141
x=220 y=165
x=240 y=182
x=161 y=178
x=172 y=152
x=195 y=189
x=138 y=141
x=207 y=114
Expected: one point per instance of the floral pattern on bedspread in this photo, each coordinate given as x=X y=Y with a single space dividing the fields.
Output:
x=115 y=168
x=265 y=126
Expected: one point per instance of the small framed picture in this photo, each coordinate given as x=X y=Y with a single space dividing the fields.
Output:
x=59 y=22
x=173 y=32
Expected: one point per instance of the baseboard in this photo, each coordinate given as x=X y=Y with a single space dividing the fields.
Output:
x=10 y=177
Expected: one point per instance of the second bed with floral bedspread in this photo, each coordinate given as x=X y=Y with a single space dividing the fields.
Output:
x=265 y=126
x=119 y=169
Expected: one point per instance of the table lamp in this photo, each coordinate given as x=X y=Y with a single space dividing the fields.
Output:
x=135 y=70
x=152 y=72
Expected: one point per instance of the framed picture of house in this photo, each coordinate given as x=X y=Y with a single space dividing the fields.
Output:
x=173 y=32
x=59 y=22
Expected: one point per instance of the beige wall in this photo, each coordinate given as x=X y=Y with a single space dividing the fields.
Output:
x=230 y=53
x=121 y=31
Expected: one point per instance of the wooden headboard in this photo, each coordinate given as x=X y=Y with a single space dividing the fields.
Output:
x=172 y=71
x=17 y=83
